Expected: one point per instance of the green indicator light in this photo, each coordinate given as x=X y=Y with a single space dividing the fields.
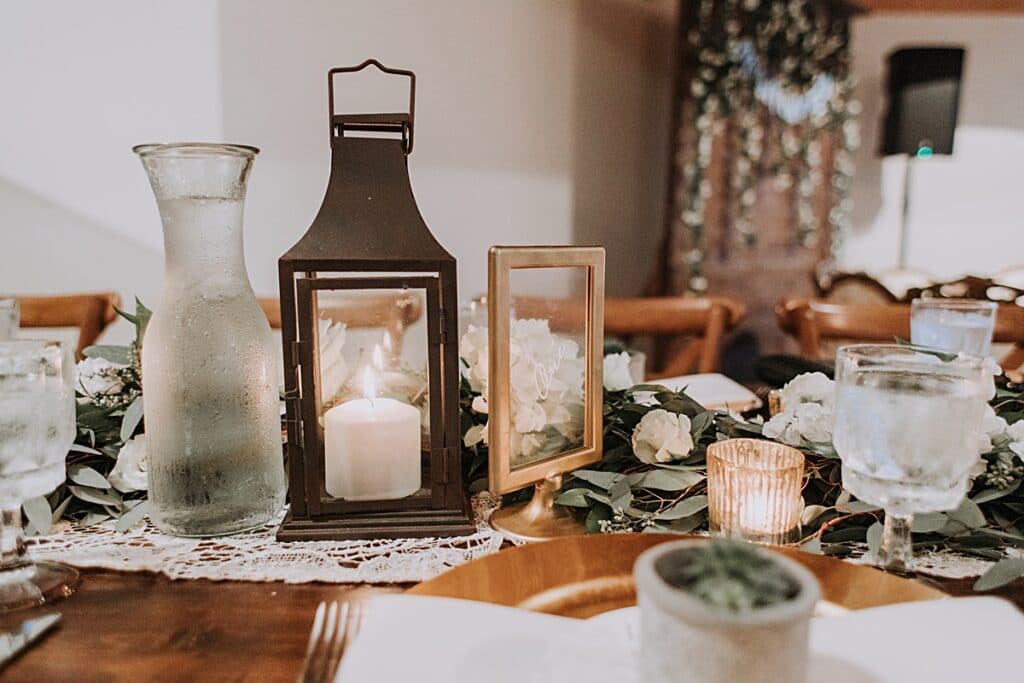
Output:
x=924 y=152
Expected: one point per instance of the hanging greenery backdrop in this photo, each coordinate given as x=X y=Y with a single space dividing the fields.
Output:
x=768 y=74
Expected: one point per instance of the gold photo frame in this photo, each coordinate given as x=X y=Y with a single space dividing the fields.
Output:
x=539 y=518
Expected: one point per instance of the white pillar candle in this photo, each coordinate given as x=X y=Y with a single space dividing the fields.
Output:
x=372 y=449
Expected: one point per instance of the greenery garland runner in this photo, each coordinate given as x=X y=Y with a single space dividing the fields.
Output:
x=769 y=71
x=652 y=476
x=631 y=491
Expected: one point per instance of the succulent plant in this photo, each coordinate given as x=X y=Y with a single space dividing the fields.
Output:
x=731 y=575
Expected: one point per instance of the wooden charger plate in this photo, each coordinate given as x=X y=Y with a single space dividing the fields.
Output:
x=581 y=576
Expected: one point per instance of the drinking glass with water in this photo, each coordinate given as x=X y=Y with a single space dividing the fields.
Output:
x=37 y=427
x=953 y=325
x=906 y=428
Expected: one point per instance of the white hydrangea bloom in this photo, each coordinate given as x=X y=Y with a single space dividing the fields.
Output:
x=99 y=377
x=810 y=387
x=810 y=422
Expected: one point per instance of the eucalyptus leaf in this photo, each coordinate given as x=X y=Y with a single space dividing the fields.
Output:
x=681 y=526
x=93 y=517
x=620 y=495
x=603 y=480
x=79 y=448
x=684 y=508
x=812 y=546
x=811 y=513
x=668 y=479
x=700 y=424
x=132 y=418
x=95 y=495
x=58 y=511
x=597 y=514
x=132 y=516
x=115 y=354
x=140 y=319
x=929 y=523
x=87 y=476
x=857 y=506
x=969 y=514
x=988 y=495
x=1000 y=574
x=576 y=498
x=38 y=515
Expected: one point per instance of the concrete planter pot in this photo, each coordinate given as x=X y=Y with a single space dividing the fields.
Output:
x=683 y=639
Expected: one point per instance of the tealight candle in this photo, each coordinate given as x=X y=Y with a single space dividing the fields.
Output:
x=754 y=490
x=372 y=448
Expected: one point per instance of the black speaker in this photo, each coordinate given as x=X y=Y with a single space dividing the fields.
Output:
x=924 y=96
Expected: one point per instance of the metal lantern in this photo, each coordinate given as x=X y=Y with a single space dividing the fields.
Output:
x=368 y=310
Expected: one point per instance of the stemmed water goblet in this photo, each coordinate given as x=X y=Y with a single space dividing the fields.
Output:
x=37 y=427
x=906 y=428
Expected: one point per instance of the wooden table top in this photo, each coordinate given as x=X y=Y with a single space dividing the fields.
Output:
x=144 y=627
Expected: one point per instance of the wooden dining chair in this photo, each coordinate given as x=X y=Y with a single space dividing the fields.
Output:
x=820 y=326
x=394 y=313
x=90 y=313
x=691 y=329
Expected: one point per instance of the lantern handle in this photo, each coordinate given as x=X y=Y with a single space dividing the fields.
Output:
x=398 y=122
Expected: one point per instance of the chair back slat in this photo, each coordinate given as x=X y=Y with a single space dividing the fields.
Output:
x=813 y=323
x=392 y=312
x=90 y=313
x=695 y=326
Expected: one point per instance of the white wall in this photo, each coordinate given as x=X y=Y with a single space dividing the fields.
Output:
x=965 y=214
x=538 y=121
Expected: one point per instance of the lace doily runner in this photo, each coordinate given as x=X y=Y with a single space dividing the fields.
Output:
x=257 y=556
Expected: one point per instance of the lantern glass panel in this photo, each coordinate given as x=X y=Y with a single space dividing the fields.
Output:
x=373 y=357
x=548 y=361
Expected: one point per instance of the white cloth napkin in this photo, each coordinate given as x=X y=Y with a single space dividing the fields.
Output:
x=439 y=640
x=711 y=390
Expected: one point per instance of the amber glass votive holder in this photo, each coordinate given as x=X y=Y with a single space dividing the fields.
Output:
x=754 y=490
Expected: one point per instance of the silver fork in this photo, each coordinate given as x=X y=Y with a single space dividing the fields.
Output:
x=333 y=629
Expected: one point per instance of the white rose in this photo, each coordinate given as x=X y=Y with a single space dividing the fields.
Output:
x=662 y=436
x=480 y=405
x=810 y=387
x=1016 y=434
x=129 y=473
x=616 y=372
x=992 y=427
x=99 y=377
x=806 y=422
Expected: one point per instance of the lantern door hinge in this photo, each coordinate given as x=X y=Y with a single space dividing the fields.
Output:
x=442 y=319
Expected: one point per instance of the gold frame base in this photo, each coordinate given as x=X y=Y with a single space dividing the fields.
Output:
x=539 y=519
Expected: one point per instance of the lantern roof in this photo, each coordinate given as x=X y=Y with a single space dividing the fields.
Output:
x=369 y=220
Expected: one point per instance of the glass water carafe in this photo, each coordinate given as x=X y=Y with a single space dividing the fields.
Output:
x=209 y=372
